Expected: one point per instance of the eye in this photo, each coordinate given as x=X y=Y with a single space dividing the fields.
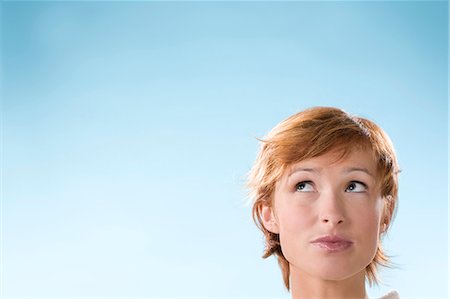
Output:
x=356 y=186
x=306 y=186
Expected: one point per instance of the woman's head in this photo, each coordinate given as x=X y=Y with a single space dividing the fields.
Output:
x=324 y=172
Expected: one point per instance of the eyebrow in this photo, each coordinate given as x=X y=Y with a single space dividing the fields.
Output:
x=318 y=170
x=303 y=169
x=365 y=170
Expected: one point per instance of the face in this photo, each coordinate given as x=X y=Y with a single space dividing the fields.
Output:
x=328 y=214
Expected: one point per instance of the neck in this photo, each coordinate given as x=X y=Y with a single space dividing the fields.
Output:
x=304 y=286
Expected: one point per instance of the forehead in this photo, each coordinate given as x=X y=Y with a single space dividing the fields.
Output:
x=360 y=159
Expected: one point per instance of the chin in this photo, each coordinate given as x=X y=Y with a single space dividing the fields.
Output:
x=335 y=275
x=334 y=272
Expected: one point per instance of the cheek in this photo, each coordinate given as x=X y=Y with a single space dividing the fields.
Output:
x=295 y=226
x=294 y=220
x=367 y=224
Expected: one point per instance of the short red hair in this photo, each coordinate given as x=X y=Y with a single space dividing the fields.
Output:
x=311 y=133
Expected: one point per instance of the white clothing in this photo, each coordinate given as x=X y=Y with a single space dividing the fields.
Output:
x=391 y=295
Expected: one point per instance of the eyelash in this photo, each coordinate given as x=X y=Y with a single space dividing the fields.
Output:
x=357 y=182
x=350 y=183
x=300 y=183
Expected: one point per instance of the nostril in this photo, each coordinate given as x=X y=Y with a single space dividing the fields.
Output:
x=328 y=220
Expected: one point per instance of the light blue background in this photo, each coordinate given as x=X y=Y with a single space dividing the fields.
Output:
x=128 y=130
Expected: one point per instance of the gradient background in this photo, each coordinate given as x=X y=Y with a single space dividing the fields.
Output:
x=128 y=130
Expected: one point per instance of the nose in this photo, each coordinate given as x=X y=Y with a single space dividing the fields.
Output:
x=332 y=210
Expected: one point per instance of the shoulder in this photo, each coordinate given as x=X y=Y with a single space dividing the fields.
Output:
x=391 y=295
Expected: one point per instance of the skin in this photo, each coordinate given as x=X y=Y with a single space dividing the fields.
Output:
x=326 y=196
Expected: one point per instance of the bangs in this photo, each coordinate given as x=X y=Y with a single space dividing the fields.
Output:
x=310 y=144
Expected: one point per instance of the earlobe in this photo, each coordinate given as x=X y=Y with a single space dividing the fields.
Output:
x=269 y=220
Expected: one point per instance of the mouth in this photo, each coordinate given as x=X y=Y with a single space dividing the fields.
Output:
x=332 y=244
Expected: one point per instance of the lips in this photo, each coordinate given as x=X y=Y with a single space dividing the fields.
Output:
x=332 y=243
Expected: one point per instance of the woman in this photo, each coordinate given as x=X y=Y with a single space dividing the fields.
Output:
x=324 y=189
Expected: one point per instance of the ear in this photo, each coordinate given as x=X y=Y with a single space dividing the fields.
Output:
x=385 y=215
x=268 y=218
